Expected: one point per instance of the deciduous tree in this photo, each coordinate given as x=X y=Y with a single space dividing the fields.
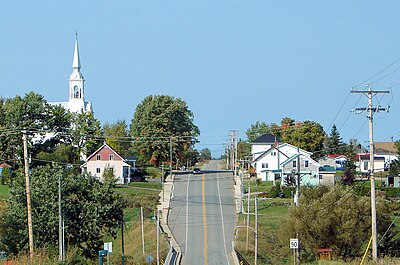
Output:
x=117 y=136
x=334 y=217
x=205 y=154
x=90 y=209
x=158 y=122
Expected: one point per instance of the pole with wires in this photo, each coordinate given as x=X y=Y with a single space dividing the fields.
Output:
x=371 y=111
x=28 y=194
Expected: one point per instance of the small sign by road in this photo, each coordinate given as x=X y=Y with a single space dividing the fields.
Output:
x=108 y=246
x=294 y=243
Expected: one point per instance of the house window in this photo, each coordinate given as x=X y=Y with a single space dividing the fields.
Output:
x=273 y=153
x=111 y=157
x=98 y=170
x=306 y=163
x=264 y=165
x=366 y=165
x=98 y=157
x=320 y=176
x=294 y=164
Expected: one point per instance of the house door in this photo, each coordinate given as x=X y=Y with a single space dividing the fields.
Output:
x=125 y=174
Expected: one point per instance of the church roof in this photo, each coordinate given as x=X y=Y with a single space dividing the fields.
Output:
x=76 y=63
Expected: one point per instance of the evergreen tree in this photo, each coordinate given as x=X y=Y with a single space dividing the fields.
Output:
x=335 y=144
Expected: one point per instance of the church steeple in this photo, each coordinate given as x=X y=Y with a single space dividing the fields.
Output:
x=76 y=64
x=76 y=80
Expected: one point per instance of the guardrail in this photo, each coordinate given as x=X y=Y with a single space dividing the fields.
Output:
x=242 y=261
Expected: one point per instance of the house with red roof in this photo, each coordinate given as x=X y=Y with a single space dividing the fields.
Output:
x=106 y=157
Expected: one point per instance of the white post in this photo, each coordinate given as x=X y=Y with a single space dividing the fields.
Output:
x=248 y=217
x=142 y=221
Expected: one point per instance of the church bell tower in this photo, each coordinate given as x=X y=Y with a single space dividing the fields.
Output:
x=76 y=80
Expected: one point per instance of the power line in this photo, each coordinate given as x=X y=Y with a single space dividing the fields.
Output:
x=384 y=69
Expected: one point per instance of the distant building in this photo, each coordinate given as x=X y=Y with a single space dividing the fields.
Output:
x=334 y=160
x=388 y=150
x=327 y=175
x=106 y=157
x=363 y=164
x=280 y=161
x=262 y=144
x=76 y=102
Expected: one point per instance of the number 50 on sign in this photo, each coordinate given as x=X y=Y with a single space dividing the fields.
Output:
x=294 y=243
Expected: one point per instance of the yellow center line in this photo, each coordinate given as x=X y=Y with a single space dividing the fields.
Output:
x=203 y=199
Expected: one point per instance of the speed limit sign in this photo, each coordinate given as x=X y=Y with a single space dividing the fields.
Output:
x=294 y=243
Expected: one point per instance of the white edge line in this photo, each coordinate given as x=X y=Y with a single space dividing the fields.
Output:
x=187 y=214
x=222 y=220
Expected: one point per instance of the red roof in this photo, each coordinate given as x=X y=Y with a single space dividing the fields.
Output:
x=334 y=155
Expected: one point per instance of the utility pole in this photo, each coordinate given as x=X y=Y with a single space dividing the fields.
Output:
x=233 y=150
x=158 y=237
x=122 y=241
x=60 y=223
x=256 y=233
x=371 y=111
x=28 y=194
x=162 y=180
x=248 y=217
x=170 y=155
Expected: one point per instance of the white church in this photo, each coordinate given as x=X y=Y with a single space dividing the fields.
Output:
x=76 y=102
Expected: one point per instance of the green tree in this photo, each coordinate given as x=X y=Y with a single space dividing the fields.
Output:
x=84 y=132
x=328 y=217
x=5 y=175
x=335 y=144
x=158 y=122
x=91 y=209
x=395 y=165
x=244 y=150
x=29 y=113
x=108 y=175
x=190 y=157
x=308 y=135
x=256 y=130
x=33 y=114
x=205 y=154
x=63 y=153
x=117 y=136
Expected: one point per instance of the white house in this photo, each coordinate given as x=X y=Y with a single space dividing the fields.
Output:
x=106 y=157
x=262 y=144
x=363 y=165
x=388 y=150
x=281 y=160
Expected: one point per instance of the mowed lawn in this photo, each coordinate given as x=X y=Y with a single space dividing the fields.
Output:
x=4 y=190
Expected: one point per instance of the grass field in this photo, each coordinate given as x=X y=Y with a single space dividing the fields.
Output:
x=4 y=190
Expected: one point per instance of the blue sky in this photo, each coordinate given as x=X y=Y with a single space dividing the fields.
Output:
x=233 y=62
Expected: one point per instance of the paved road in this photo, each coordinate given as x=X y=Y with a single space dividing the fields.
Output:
x=202 y=216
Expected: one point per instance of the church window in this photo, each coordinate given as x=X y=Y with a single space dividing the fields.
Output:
x=76 y=92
